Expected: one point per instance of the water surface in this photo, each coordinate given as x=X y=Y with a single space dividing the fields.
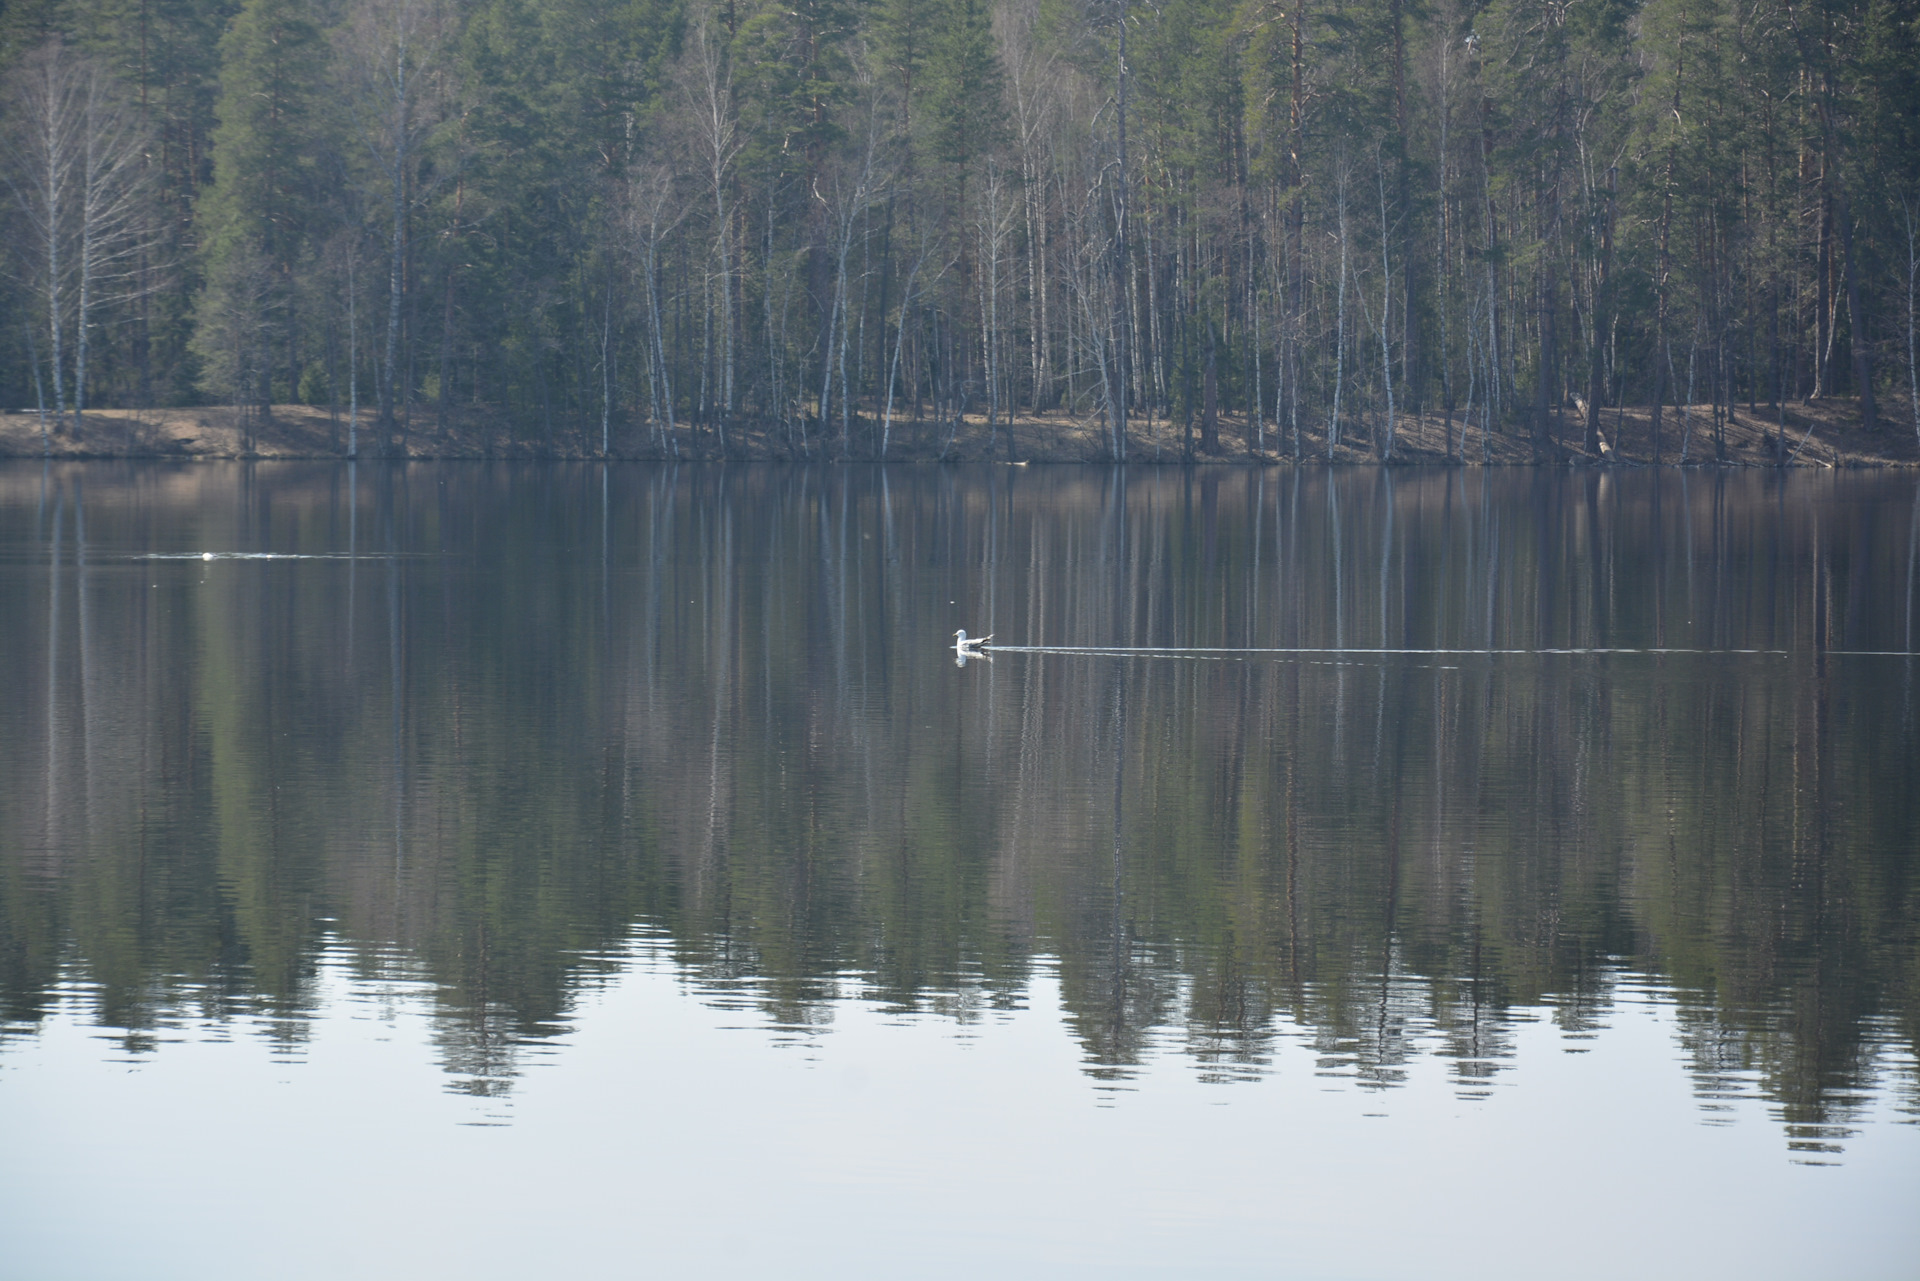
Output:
x=566 y=869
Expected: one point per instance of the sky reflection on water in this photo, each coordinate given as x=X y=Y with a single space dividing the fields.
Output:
x=564 y=868
x=660 y=1134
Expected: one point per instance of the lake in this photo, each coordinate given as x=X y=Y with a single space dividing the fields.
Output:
x=575 y=870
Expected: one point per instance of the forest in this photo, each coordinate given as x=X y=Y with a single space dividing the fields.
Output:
x=660 y=227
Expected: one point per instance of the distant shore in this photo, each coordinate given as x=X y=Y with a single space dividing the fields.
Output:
x=1824 y=433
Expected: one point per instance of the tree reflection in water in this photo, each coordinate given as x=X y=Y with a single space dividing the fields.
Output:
x=518 y=713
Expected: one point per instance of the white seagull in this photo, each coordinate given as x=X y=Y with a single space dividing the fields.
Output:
x=963 y=644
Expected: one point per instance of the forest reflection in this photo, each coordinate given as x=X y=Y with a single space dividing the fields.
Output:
x=483 y=726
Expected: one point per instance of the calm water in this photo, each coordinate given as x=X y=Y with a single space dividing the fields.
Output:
x=569 y=871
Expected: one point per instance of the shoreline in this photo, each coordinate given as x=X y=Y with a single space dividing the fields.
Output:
x=1821 y=434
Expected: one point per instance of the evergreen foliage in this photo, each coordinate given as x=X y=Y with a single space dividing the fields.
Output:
x=1310 y=220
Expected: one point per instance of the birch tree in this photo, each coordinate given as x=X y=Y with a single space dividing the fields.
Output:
x=707 y=90
x=392 y=50
x=72 y=163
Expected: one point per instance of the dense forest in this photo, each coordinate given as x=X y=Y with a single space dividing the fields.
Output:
x=661 y=224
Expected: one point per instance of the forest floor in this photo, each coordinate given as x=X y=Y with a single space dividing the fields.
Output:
x=1825 y=433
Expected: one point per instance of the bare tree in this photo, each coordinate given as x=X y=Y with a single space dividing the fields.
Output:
x=1122 y=257
x=391 y=50
x=1340 y=332
x=1913 y=276
x=994 y=226
x=1087 y=269
x=907 y=298
x=343 y=258
x=1386 y=303
x=118 y=232
x=650 y=196
x=852 y=190
x=1030 y=72
x=72 y=162
x=707 y=86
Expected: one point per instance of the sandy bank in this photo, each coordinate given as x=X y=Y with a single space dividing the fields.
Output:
x=1823 y=433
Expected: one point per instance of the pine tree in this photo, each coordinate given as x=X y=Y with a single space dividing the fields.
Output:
x=259 y=218
x=966 y=103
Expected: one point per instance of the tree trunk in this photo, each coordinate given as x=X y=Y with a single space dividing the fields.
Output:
x=1210 y=397
x=1123 y=320
x=1596 y=368
x=1857 y=341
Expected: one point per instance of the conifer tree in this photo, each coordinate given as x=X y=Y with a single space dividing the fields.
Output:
x=1322 y=216
x=258 y=221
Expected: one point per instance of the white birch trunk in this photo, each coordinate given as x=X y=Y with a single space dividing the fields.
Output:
x=353 y=363
x=1340 y=323
x=1386 y=308
x=1913 y=276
